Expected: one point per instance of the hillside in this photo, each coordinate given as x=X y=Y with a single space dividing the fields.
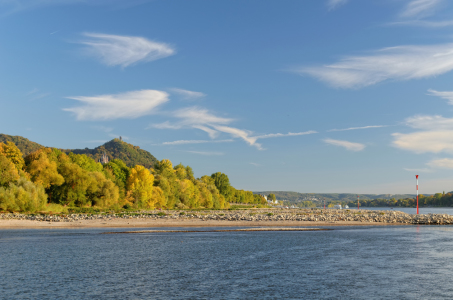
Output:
x=295 y=197
x=130 y=154
x=26 y=146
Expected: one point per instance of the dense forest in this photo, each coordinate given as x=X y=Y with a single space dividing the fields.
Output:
x=50 y=176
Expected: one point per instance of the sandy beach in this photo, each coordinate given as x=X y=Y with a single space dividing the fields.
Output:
x=146 y=223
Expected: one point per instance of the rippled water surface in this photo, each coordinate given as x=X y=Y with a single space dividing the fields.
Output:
x=346 y=263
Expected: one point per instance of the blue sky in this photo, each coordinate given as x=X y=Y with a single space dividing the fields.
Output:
x=308 y=96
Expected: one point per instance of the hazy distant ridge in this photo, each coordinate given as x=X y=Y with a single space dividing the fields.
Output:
x=298 y=197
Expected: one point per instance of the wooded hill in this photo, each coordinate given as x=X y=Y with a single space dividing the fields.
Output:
x=295 y=197
x=130 y=154
x=25 y=145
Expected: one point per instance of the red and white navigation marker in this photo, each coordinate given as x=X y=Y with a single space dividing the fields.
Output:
x=416 y=177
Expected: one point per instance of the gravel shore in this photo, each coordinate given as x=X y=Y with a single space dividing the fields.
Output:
x=252 y=217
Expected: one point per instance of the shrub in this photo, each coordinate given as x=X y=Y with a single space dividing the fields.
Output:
x=23 y=196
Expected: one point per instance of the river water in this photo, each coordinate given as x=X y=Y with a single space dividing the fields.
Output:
x=380 y=262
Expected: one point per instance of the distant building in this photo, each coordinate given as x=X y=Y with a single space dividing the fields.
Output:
x=121 y=139
x=104 y=159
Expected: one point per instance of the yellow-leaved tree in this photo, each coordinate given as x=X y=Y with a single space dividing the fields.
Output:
x=140 y=187
x=42 y=170
x=13 y=154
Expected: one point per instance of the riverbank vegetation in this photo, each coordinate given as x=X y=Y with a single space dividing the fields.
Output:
x=48 y=176
x=438 y=199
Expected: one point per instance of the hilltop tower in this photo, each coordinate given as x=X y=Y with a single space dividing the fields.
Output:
x=121 y=139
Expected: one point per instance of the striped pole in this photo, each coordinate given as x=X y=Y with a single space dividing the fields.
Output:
x=416 y=176
x=358 y=204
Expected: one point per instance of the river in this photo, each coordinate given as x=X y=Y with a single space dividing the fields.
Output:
x=380 y=262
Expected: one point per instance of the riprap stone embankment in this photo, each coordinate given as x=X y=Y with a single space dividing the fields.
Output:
x=317 y=215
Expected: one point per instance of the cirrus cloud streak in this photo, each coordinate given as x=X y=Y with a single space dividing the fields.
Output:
x=117 y=50
x=394 y=63
x=128 y=105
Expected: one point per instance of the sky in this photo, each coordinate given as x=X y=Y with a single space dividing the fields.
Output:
x=344 y=96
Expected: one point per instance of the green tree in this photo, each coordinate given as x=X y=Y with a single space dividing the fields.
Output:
x=8 y=172
x=271 y=197
x=222 y=183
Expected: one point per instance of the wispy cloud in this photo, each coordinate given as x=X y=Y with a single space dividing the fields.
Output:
x=255 y=164
x=273 y=135
x=420 y=8
x=126 y=105
x=207 y=153
x=185 y=142
x=422 y=170
x=202 y=119
x=443 y=163
x=444 y=95
x=334 y=4
x=242 y=134
x=356 y=128
x=36 y=94
x=345 y=144
x=435 y=135
x=117 y=50
x=395 y=63
x=424 y=23
x=187 y=95
x=15 y=6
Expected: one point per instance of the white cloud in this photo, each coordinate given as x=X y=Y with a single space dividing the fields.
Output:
x=126 y=105
x=185 y=142
x=356 y=128
x=272 y=135
x=334 y=4
x=206 y=153
x=239 y=133
x=420 y=8
x=199 y=116
x=117 y=50
x=211 y=132
x=425 y=141
x=430 y=122
x=395 y=63
x=255 y=164
x=188 y=95
x=444 y=95
x=202 y=119
x=345 y=144
x=444 y=163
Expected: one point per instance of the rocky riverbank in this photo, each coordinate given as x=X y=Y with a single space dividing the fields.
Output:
x=252 y=215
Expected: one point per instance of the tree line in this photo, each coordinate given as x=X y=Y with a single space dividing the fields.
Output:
x=438 y=199
x=48 y=175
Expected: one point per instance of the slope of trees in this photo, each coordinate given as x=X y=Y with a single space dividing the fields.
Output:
x=115 y=149
x=49 y=175
x=24 y=145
